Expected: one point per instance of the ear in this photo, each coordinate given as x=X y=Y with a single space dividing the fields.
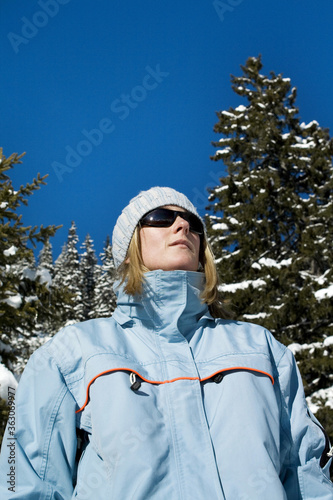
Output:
x=127 y=260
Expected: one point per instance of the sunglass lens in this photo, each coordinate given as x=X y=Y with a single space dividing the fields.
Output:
x=164 y=217
x=195 y=224
x=160 y=217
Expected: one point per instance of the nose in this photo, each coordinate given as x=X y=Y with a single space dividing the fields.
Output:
x=181 y=224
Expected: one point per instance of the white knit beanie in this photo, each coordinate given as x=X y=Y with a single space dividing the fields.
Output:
x=143 y=203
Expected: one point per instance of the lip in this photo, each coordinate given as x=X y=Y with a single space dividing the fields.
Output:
x=181 y=242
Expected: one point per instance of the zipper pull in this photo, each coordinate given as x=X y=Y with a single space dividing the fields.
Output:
x=218 y=378
x=135 y=382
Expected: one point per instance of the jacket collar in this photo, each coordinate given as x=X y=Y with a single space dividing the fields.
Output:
x=169 y=305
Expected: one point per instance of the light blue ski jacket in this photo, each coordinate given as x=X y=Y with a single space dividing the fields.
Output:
x=216 y=409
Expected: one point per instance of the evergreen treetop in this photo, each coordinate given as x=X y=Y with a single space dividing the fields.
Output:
x=104 y=297
x=272 y=222
x=89 y=273
x=67 y=273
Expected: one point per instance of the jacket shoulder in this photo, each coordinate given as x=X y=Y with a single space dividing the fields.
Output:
x=71 y=346
x=252 y=336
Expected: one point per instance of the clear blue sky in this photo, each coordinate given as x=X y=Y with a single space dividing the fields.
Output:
x=150 y=76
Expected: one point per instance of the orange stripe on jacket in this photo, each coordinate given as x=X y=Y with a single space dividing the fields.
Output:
x=160 y=382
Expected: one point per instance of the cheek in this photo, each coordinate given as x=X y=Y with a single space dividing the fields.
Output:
x=150 y=240
x=197 y=244
x=151 y=244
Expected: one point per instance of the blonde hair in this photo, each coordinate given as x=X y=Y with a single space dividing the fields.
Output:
x=132 y=271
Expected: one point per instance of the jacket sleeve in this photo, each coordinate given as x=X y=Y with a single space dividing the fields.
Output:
x=304 y=443
x=38 y=450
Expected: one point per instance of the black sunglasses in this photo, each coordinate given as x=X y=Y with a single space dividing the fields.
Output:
x=165 y=217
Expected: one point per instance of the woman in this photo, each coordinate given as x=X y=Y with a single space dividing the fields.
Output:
x=169 y=400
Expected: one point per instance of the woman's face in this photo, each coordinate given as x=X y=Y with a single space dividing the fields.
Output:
x=170 y=248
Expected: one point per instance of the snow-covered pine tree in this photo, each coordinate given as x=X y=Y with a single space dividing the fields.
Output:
x=45 y=258
x=22 y=292
x=104 y=296
x=65 y=305
x=59 y=299
x=272 y=222
x=89 y=272
x=59 y=264
x=45 y=271
x=67 y=274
